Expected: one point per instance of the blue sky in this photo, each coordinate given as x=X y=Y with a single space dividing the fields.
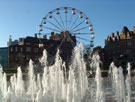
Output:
x=20 y=18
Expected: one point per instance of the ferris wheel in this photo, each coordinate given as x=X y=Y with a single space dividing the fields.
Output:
x=71 y=20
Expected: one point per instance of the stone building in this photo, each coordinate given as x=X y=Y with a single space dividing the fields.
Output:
x=32 y=48
x=120 y=47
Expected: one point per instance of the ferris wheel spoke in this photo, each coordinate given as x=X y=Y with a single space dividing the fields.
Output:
x=80 y=33
x=82 y=38
x=52 y=29
x=54 y=25
x=46 y=33
x=74 y=22
x=62 y=21
x=66 y=20
x=61 y=43
x=70 y=21
x=77 y=25
x=73 y=43
x=58 y=22
x=80 y=29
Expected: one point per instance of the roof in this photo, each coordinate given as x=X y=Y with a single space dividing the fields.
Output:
x=3 y=47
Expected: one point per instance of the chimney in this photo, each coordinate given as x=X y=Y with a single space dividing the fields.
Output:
x=62 y=33
x=108 y=38
x=35 y=35
x=112 y=35
x=45 y=36
x=52 y=36
x=52 y=33
x=128 y=35
x=117 y=35
x=134 y=29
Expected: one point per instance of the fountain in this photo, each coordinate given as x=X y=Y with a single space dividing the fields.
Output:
x=57 y=85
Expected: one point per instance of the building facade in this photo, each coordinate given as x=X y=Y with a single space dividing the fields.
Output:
x=120 y=47
x=32 y=48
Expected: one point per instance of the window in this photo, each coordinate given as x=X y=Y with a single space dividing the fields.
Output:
x=27 y=49
x=27 y=43
x=128 y=51
x=113 y=47
x=129 y=43
x=51 y=45
x=119 y=47
x=118 y=51
x=11 y=49
x=35 y=49
x=16 y=58
x=21 y=49
x=36 y=58
x=16 y=49
x=28 y=57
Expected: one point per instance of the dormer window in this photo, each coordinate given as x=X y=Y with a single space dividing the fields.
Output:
x=113 y=39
